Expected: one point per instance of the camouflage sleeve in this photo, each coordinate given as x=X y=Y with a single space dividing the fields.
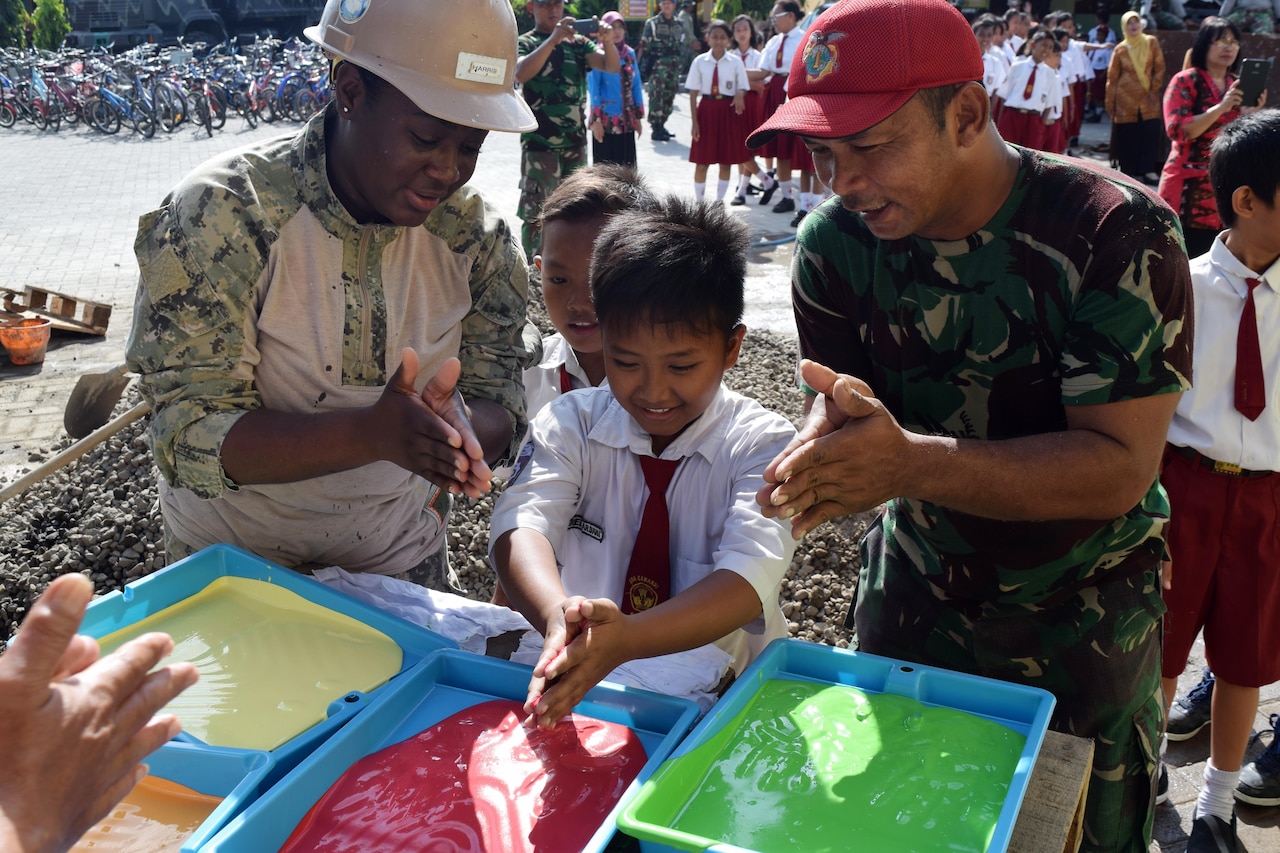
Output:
x=191 y=340
x=829 y=320
x=1131 y=323
x=493 y=349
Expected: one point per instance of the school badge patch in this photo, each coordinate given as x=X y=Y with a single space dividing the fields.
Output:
x=820 y=55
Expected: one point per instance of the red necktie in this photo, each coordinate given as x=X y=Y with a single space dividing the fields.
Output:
x=715 y=79
x=1031 y=84
x=1251 y=391
x=649 y=572
x=566 y=381
x=781 y=46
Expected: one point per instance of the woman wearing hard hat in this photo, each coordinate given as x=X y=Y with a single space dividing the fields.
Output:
x=313 y=311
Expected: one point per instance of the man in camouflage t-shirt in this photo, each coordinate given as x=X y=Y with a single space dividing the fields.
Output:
x=999 y=338
x=552 y=70
x=664 y=44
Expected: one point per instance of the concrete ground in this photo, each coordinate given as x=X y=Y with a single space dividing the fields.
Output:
x=70 y=205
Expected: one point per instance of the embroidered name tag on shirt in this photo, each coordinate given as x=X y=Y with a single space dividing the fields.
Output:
x=592 y=530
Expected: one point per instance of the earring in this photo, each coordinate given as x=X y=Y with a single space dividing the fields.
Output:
x=346 y=109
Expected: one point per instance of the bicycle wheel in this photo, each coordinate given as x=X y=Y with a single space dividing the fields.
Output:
x=217 y=107
x=168 y=110
x=105 y=116
x=143 y=121
x=200 y=109
x=249 y=113
x=284 y=101
x=54 y=110
x=38 y=116
x=305 y=104
x=8 y=115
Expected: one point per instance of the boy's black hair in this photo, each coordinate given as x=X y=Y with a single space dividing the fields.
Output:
x=1244 y=155
x=1211 y=29
x=675 y=262
x=593 y=192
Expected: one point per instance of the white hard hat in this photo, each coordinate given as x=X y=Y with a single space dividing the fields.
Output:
x=455 y=59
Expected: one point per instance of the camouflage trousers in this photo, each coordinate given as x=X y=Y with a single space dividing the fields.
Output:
x=1098 y=653
x=1253 y=20
x=542 y=171
x=667 y=79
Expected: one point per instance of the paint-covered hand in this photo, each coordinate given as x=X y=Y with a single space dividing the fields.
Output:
x=843 y=460
x=576 y=657
x=430 y=433
x=76 y=725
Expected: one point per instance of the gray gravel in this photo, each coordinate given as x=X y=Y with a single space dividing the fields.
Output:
x=100 y=517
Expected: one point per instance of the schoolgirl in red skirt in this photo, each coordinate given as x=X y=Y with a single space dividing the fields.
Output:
x=745 y=41
x=717 y=85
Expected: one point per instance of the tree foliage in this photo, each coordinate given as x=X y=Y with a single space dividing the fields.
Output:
x=13 y=23
x=52 y=25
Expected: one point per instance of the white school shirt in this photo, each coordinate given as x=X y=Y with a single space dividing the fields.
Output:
x=733 y=74
x=993 y=70
x=579 y=484
x=1100 y=60
x=1080 y=68
x=751 y=60
x=790 y=43
x=1044 y=91
x=1011 y=45
x=1206 y=419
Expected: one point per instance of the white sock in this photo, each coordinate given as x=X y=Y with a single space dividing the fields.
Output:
x=699 y=190
x=1164 y=746
x=787 y=189
x=806 y=201
x=765 y=179
x=1216 y=797
x=721 y=188
x=744 y=181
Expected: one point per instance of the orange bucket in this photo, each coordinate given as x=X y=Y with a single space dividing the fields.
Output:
x=26 y=340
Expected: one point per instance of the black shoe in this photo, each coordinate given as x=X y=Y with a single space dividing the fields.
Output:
x=660 y=134
x=738 y=200
x=798 y=218
x=668 y=134
x=785 y=206
x=1189 y=714
x=1211 y=834
x=754 y=189
x=1162 y=785
x=1260 y=779
x=768 y=194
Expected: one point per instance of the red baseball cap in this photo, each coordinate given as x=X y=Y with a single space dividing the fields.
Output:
x=863 y=59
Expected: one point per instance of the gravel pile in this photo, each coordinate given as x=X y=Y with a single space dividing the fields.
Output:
x=100 y=516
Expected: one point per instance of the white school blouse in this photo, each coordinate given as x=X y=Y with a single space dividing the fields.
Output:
x=790 y=43
x=1044 y=91
x=579 y=484
x=733 y=74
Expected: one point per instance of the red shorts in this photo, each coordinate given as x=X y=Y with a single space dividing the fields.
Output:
x=718 y=140
x=1022 y=127
x=1224 y=537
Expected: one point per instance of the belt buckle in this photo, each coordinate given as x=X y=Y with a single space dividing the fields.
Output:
x=1227 y=468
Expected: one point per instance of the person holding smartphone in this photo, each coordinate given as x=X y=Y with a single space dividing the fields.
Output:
x=1200 y=101
x=554 y=58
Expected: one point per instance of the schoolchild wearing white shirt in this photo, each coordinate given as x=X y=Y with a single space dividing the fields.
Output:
x=993 y=68
x=745 y=39
x=785 y=147
x=1100 y=61
x=1028 y=92
x=668 y=288
x=1220 y=470
x=717 y=85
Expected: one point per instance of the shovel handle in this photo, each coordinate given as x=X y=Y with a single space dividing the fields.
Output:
x=74 y=452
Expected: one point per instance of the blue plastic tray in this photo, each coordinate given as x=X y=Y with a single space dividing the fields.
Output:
x=444 y=684
x=1026 y=710
x=137 y=601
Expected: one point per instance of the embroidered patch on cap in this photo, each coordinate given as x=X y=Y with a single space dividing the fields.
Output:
x=351 y=11
x=481 y=69
x=820 y=57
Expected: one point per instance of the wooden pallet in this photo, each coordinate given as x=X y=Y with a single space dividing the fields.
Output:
x=63 y=311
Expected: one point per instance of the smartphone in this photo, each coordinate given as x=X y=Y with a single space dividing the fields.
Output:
x=586 y=26
x=1253 y=79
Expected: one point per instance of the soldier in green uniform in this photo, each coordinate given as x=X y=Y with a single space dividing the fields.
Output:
x=996 y=339
x=552 y=70
x=329 y=325
x=664 y=43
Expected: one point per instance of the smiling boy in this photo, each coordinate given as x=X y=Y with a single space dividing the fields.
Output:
x=573 y=536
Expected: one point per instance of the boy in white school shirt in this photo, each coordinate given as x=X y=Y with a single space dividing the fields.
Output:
x=571 y=537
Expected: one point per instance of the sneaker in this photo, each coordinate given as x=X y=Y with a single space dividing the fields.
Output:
x=1211 y=834
x=785 y=206
x=1162 y=785
x=798 y=218
x=1189 y=714
x=768 y=193
x=738 y=200
x=1260 y=780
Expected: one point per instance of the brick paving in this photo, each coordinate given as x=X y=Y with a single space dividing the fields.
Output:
x=69 y=205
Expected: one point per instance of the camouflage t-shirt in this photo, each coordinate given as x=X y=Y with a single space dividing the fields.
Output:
x=555 y=94
x=1077 y=292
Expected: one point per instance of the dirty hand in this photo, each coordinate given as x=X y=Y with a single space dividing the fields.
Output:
x=76 y=725
x=843 y=460
x=430 y=433
x=579 y=651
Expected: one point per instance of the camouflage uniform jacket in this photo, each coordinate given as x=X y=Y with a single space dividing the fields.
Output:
x=555 y=94
x=665 y=37
x=258 y=289
x=1077 y=292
